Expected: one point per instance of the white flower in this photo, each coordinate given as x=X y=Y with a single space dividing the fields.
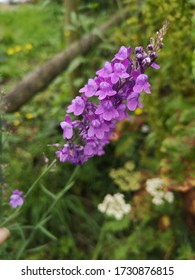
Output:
x=168 y=196
x=157 y=200
x=155 y=188
x=115 y=206
x=145 y=128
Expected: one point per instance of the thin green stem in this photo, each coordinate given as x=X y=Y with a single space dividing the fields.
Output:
x=11 y=217
x=98 y=247
x=40 y=177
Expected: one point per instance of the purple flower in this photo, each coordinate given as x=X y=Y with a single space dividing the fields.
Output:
x=97 y=128
x=105 y=71
x=105 y=90
x=141 y=83
x=66 y=125
x=133 y=101
x=119 y=72
x=121 y=109
x=91 y=147
x=107 y=110
x=77 y=107
x=89 y=89
x=64 y=154
x=16 y=199
x=123 y=53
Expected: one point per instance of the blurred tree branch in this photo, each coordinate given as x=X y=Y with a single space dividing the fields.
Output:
x=39 y=79
x=71 y=6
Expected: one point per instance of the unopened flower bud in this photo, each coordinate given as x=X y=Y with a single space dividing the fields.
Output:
x=150 y=47
x=161 y=45
x=139 y=56
x=153 y=55
x=152 y=41
x=146 y=61
x=139 y=50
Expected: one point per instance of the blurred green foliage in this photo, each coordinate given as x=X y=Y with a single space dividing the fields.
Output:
x=76 y=230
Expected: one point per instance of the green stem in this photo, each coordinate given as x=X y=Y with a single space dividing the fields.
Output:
x=39 y=178
x=98 y=247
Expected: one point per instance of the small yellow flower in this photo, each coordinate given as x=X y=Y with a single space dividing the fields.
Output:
x=28 y=46
x=17 y=48
x=29 y=116
x=16 y=123
x=17 y=114
x=138 y=111
x=10 y=51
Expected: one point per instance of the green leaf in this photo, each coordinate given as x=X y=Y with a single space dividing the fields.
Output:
x=47 y=233
x=47 y=192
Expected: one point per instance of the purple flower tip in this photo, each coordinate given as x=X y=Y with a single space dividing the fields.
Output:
x=16 y=199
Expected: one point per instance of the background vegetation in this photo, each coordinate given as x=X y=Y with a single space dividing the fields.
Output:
x=31 y=34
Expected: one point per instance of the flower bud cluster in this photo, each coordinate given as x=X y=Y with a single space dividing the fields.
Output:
x=155 y=187
x=105 y=99
x=114 y=205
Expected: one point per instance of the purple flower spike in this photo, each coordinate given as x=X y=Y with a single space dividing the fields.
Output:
x=89 y=89
x=16 y=199
x=77 y=107
x=141 y=83
x=117 y=89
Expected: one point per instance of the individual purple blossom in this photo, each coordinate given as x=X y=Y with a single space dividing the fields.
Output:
x=107 y=110
x=105 y=71
x=16 y=199
x=105 y=90
x=121 y=109
x=119 y=72
x=77 y=107
x=67 y=127
x=97 y=128
x=141 y=83
x=133 y=101
x=123 y=53
x=64 y=153
x=90 y=88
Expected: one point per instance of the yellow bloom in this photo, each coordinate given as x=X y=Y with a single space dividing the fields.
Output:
x=17 y=114
x=138 y=111
x=10 y=51
x=17 y=48
x=16 y=123
x=29 y=116
x=28 y=46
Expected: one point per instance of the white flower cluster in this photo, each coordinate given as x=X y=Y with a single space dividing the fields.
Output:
x=114 y=205
x=155 y=188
